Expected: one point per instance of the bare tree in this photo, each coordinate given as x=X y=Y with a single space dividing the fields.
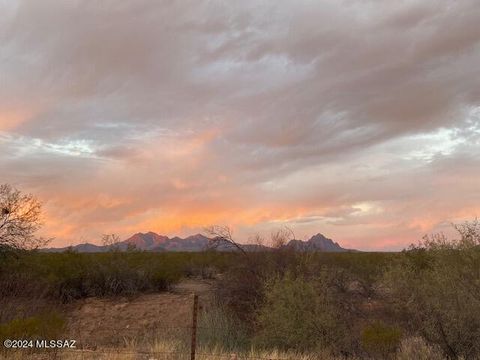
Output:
x=281 y=237
x=258 y=240
x=222 y=235
x=19 y=220
x=110 y=240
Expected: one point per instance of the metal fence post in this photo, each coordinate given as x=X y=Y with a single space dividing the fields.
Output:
x=194 y=327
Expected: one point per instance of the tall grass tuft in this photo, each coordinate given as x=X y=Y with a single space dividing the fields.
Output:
x=218 y=328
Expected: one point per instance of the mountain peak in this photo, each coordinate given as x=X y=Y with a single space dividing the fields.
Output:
x=319 y=236
x=151 y=241
x=145 y=241
x=317 y=242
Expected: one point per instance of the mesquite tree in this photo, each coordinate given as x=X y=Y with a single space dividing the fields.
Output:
x=19 y=220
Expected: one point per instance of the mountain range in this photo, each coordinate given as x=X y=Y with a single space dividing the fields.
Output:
x=151 y=241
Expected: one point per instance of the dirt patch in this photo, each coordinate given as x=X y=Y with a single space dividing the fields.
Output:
x=202 y=288
x=99 y=322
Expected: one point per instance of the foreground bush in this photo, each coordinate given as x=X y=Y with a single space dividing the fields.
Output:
x=380 y=340
x=299 y=315
x=436 y=291
x=49 y=325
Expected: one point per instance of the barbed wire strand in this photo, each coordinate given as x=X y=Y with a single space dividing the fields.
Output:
x=144 y=352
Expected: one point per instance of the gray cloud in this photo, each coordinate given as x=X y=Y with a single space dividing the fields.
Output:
x=272 y=111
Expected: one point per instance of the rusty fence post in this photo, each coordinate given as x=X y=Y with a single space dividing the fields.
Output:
x=194 y=327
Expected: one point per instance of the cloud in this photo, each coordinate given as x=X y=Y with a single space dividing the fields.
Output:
x=167 y=116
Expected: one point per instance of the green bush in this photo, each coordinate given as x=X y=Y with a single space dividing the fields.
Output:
x=299 y=314
x=436 y=291
x=380 y=340
x=49 y=325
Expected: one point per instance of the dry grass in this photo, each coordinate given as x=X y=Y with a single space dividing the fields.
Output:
x=162 y=350
x=412 y=348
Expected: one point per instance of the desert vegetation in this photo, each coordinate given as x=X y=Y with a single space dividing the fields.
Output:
x=421 y=303
x=364 y=304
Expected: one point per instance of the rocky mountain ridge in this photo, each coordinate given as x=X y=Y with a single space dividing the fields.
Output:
x=152 y=241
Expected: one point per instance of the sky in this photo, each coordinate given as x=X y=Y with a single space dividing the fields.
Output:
x=356 y=119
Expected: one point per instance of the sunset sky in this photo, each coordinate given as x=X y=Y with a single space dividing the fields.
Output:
x=356 y=119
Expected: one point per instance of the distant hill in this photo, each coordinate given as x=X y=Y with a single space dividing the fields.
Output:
x=151 y=241
x=316 y=243
x=84 y=248
x=147 y=241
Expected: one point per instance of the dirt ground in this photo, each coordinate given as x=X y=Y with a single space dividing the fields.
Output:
x=96 y=322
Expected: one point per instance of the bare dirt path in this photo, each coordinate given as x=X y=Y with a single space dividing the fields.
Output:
x=98 y=322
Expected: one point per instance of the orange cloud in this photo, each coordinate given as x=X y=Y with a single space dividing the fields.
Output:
x=10 y=119
x=120 y=126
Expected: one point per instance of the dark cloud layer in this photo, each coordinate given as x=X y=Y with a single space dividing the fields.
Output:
x=347 y=117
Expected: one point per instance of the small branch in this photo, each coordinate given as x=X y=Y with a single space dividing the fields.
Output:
x=223 y=235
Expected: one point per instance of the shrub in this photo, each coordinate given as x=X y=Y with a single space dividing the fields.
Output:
x=299 y=314
x=381 y=340
x=241 y=288
x=49 y=325
x=68 y=276
x=436 y=289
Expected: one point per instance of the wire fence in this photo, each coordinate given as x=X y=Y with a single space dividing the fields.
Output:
x=157 y=341
x=165 y=355
x=163 y=344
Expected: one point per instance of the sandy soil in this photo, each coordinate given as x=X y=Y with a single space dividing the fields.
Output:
x=96 y=322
